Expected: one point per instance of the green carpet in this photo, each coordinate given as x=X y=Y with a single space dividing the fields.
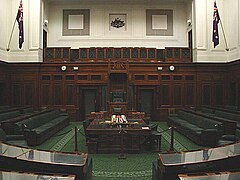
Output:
x=108 y=166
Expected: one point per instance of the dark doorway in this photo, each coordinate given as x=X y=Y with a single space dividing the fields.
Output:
x=146 y=99
x=44 y=41
x=88 y=102
x=190 y=39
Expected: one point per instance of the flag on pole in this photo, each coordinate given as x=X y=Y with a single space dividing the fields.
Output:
x=19 y=19
x=216 y=19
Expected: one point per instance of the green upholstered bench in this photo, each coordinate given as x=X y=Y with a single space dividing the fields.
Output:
x=39 y=128
x=7 y=115
x=12 y=139
x=229 y=115
x=196 y=128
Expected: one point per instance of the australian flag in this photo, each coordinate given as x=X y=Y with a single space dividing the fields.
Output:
x=216 y=19
x=19 y=19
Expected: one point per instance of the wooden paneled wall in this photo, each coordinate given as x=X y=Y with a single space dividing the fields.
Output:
x=132 y=54
x=4 y=84
x=189 y=85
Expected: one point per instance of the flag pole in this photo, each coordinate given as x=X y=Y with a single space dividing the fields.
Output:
x=10 y=39
x=8 y=48
x=227 y=48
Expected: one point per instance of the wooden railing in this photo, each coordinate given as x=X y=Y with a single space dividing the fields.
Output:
x=135 y=54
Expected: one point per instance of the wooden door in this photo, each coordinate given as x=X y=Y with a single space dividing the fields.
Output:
x=88 y=102
x=146 y=99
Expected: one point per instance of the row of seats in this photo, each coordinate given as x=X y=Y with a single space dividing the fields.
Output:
x=230 y=115
x=40 y=162
x=35 y=126
x=196 y=127
x=39 y=128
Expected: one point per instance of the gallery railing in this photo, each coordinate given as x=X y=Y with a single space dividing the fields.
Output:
x=105 y=54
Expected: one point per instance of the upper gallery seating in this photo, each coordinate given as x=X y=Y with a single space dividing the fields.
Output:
x=39 y=128
x=196 y=127
x=132 y=54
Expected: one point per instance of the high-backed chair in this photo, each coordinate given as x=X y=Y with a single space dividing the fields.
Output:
x=155 y=138
x=86 y=123
x=117 y=110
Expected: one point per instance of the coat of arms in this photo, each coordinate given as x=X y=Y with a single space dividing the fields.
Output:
x=117 y=23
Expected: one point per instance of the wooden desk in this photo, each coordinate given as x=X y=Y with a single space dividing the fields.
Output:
x=108 y=136
x=223 y=158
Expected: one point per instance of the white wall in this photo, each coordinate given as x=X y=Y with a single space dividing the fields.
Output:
x=35 y=12
x=229 y=14
x=232 y=28
x=101 y=37
x=30 y=51
x=4 y=21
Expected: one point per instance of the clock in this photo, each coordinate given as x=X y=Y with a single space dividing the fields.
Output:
x=171 y=68
x=63 y=68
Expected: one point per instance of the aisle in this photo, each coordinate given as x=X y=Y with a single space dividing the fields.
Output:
x=108 y=166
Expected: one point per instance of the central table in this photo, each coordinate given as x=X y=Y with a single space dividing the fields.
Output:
x=106 y=137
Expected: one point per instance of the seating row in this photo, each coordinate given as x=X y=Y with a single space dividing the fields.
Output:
x=196 y=163
x=13 y=125
x=13 y=112
x=196 y=127
x=27 y=160
x=230 y=114
x=39 y=128
x=229 y=126
x=33 y=126
x=20 y=175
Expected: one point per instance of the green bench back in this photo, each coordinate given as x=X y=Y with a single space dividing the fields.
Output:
x=228 y=115
x=41 y=119
x=199 y=121
x=9 y=115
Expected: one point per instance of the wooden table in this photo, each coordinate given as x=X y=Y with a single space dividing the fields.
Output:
x=115 y=138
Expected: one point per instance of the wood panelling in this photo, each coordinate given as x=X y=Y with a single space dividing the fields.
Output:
x=16 y=94
x=189 y=94
x=45 y=94
x=189 y=85
x=57 y=94
x=206 y=94
x=136 y=54
x=69 y=94
x=28 y=94
x=4 y=84
x=177 y=95
x=165 y=95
